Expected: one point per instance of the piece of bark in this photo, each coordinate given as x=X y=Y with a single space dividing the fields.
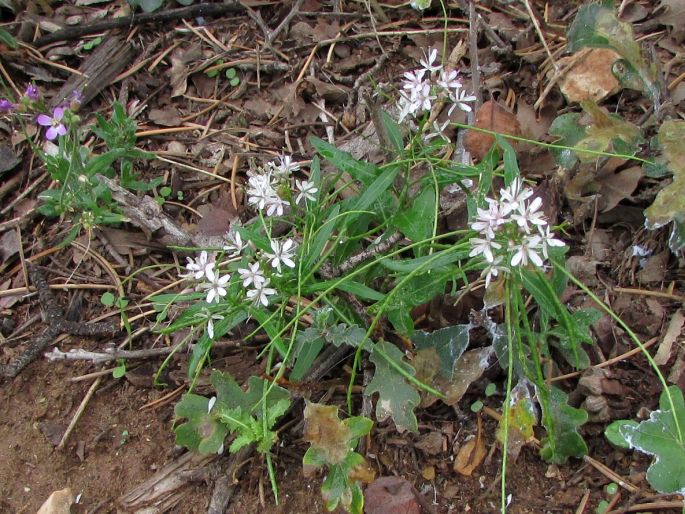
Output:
x=166 y=488
x=110 y=58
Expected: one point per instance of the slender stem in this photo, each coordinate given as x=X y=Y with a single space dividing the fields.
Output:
x=636 y=340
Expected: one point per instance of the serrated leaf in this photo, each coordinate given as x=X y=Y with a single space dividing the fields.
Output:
x=663 y=436
x=669 y=204
x=607 y=132
x=326 y=432
x=396 y=397
x=341 y=334
x=562 y=422
x=416 y=222
x=202 y=432
x=449 y=344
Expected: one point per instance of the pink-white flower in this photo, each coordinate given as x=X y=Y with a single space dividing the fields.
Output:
x=56 y=127
x=234 y=243
x=459 y=99
x=199 y=267
x=428 y=60
x=282 y=254
x=260 y=294
x=513 y=197
x=548 y=240
x=286 y=166
x=492 y=270
x=307 y=191
x=485 y=247
x=252 y=275
x=448 y=80
x=260 y=190
x=275 y=206
x=530 y=215
x=216 y=286
x=489 y=220
x=438 y=131
x=527 y=251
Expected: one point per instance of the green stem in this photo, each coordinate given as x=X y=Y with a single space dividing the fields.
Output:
x=634 y=338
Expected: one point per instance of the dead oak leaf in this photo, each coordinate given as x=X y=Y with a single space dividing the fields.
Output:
x=491 y=116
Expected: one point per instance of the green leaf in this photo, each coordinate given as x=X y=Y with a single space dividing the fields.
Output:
x=416 y=222
x=511 y=167
x=617 y=432
x=374 y=191
x=362 y=171
x=308 y=345
x=351 y=335
x=323 y=234
x=7 y=39
x=396 y=397
x=400 y=319
x=393 y=132
x=202 y=432
x=120 y=370
x=107 y=299
x=597 y=26
x=669 y=204
x=360 y=290
x=408 y=265
x=569 y=130
x=561 y=421
x=663 y=436
x=449 y=344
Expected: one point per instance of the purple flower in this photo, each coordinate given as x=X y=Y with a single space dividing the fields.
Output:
x=75 y=99
x=32 y=92
x=57 y=128
x=6 y=105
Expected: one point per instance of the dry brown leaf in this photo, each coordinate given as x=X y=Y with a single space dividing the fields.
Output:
x=9 y=244
x=324 y=429
x=471 y=454
x=611 y=186
x=431 y=443
x=390 y=495
x=674 y=17
x=164 y=117
x=178 y=74
x=494 y=117
x=590 y=78
x=654 y=270
x=59 y=502
x=665 y=350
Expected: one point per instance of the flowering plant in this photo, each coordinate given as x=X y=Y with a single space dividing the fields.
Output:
x=75 y=191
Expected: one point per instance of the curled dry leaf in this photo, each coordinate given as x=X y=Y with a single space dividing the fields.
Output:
x=471 y=454
x=491 y=116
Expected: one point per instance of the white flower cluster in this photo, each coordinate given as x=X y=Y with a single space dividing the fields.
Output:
x=513 y=231
x=428 y=83
x=263 y=187
x=205 y=270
